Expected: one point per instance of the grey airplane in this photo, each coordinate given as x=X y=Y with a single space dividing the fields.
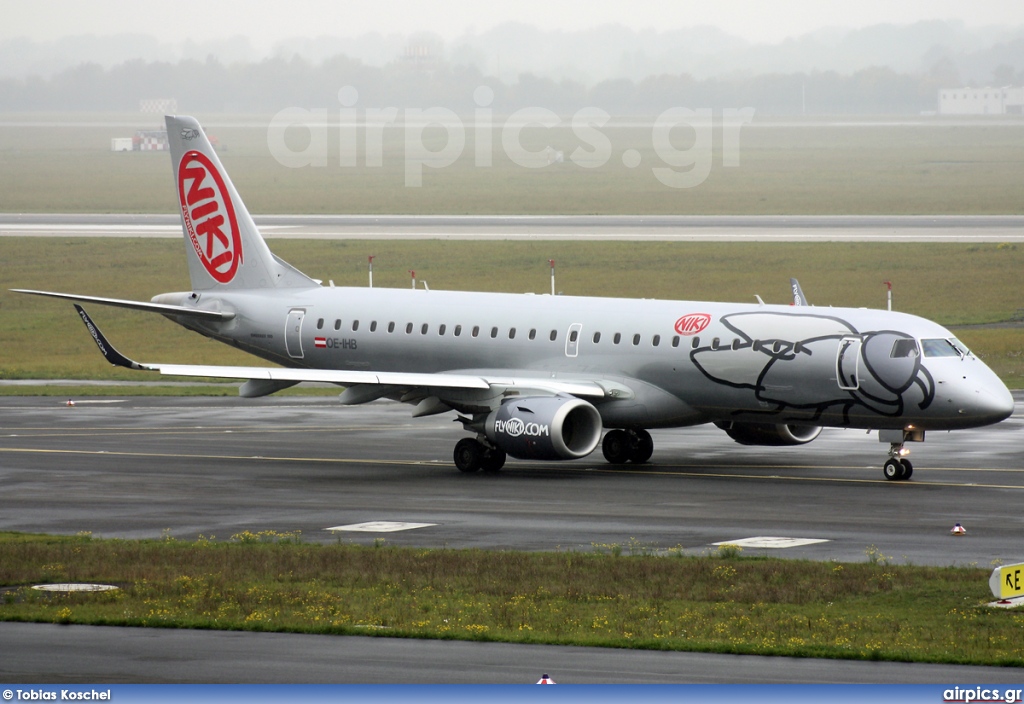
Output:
x=541 y=377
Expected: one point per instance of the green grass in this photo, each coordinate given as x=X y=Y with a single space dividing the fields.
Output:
x=953 y=284
x=863 y=168
x=610 y=597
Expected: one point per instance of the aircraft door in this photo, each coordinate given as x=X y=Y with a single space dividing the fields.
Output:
x=572 y=340
x=293 y=332
x=848 y=363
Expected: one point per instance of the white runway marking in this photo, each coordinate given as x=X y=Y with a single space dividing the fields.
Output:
x=770 y=542
x=380 y=527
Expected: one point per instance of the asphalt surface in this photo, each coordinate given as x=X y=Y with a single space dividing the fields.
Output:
x=146 y=467
x=712 y=228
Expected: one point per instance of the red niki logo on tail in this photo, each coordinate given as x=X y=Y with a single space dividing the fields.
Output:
x=209 y=216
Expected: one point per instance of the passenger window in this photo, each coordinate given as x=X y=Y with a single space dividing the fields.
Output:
x=714 y=343
x=554 y=335
x=337 y=324
x=476 y=330
x=408 y=329
x=736 y=343
x=533 y=333
x=494 y=332
x=355 y=325
x=511 y=333
x=656 y=340
x=636 y=340
x=675 y=340
x=423 y=329
x=573 y=335
x=320 y=324
x=597 y=337
x=391 y=326
x=458 y=330
x=696 y=343
x=373 y=326
x=904 y=348
x=618 y=338
x=440 y=330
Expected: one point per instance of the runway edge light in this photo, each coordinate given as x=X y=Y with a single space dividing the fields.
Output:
x=958 y=530
x=545 y=679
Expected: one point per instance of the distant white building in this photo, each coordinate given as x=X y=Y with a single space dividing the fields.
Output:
x=1007 y=100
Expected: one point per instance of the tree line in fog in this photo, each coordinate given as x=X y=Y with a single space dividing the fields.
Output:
x=272 y=84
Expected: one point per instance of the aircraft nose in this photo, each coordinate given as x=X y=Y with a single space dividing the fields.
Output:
x=993 y=402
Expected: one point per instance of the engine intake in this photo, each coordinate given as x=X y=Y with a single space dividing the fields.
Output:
x=770 y=433
x=545 y=428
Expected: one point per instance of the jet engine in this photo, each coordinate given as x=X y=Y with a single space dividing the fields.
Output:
x=545 y=428
x=770 y=433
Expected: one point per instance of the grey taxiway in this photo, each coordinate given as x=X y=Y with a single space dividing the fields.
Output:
x=146 y=467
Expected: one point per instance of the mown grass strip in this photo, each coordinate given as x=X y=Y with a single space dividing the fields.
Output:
x=615 y=596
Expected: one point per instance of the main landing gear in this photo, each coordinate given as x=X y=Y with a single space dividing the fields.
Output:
x=471 y=455
x=620 y=446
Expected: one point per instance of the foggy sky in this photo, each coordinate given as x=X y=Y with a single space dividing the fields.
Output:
x=266 y=22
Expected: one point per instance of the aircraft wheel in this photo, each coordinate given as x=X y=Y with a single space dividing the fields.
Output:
x=493 y=460
x=893 y=470
x=469 y=455
x=615 y=446
x=642 y=448
x=908 y=469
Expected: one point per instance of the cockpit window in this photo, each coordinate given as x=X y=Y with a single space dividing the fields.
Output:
x=944 y=348
x=904 y=348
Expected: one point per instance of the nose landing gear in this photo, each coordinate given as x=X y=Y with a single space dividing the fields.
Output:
x=897 y=467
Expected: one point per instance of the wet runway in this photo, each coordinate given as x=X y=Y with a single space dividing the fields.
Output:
x=146 y=467
x=139 y=467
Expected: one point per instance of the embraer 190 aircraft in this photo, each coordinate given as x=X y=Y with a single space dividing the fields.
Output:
x=539 y=377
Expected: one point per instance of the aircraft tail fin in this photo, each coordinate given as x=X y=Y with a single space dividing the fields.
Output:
x=223 y=245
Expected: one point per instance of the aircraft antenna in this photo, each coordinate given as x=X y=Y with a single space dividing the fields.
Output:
x=552 y=263
x=371 y=269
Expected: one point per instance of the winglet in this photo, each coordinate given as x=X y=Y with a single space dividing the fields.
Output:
x=106 y=349
x=799 y=299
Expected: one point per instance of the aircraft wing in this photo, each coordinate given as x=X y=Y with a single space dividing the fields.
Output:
x=264 y=380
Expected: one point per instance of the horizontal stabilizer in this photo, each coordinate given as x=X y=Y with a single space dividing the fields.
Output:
x=136 y=305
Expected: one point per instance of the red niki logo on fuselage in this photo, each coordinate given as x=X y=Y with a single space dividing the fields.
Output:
x=692 y=324
x=209 y=216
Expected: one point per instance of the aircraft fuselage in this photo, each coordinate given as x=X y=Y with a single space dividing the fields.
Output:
x=697 y=362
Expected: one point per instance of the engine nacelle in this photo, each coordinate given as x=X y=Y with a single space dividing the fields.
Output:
x=770 y=433
x=545 y=428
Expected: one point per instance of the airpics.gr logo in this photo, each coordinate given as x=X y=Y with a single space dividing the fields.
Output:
x=209 y=216
x=692 y=324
